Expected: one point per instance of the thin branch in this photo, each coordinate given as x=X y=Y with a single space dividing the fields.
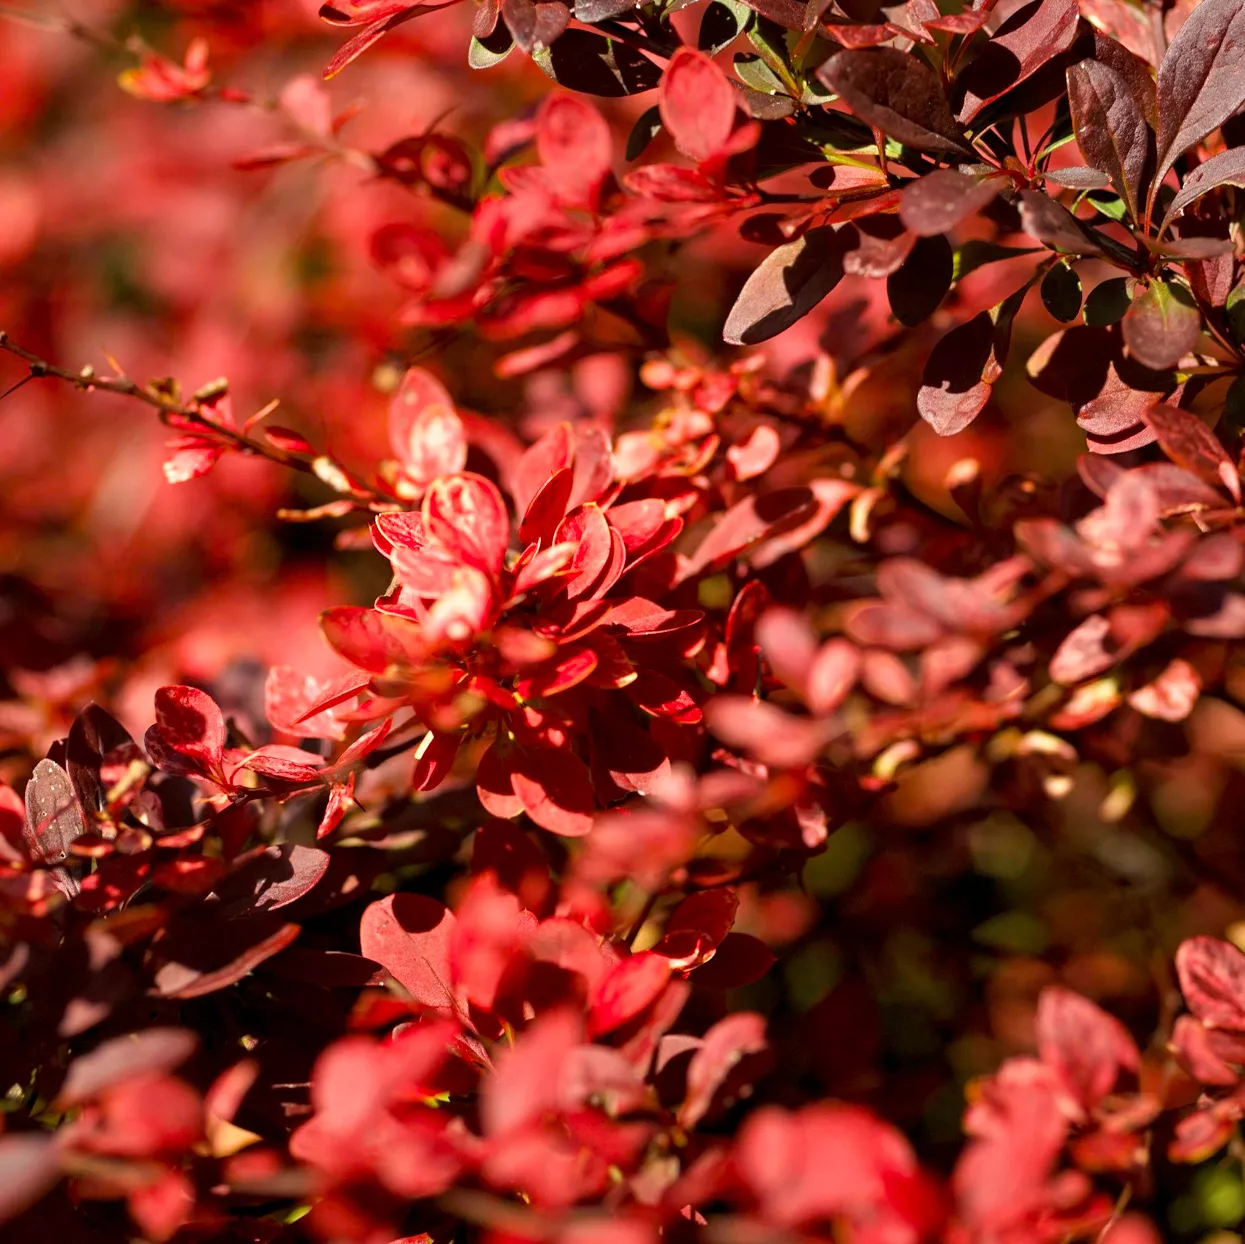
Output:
x=172 y=412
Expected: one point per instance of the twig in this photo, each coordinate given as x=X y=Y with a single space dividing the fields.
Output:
x=172 y=412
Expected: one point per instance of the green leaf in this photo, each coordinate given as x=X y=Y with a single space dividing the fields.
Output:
x=1109 y=205
x=646 y=128
x=976 y=254
x=1061 y=293
x=754 y=72
x=724 y=21
x=485 y=53
x=1107 y=303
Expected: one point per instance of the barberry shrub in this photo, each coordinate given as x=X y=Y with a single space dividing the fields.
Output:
x=785 y=785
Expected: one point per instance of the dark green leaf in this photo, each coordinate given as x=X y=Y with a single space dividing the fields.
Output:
x=1234 y=312
x=922 y=282
x=753 y=71
x=646 y=128
x=582 y=60
x=1108 y=302
x=1061 y=293
x=724 y=21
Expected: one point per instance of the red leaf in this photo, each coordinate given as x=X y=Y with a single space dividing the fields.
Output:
x=573 y=142
x=30 y=1165
x=555 y=790
x=1190 y=444
x=587 y=529
x=372 y=641
x=765 y=731
x=626 y=991
x=410 y=935
x=547 y=508
x=284 y=764
x=697 y=105
x=434 y=759
x=526 y=1080
x=748 y=522
x=424 y=430
x=467 y=515
x=1086 y=1047
x=1212 y=979
x=726 y=1044
x=539 y=462
x=740 y=959
x=189 y=734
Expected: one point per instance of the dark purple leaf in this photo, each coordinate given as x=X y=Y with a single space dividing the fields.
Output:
x=582 y=60
x=1079 y=177
x=201 y=956
x=535 y=25
x=1225 y=169
x=278 y=876
x=1190 y=444
x=1201 y=81
x=899 y=94
x=787 y=285
x=941 y=200
x=1034 y=34
x=153 y=1051
x=1052 y=224
x=1061 y=293
x=53 y=818
x=876 y=246
x=30 y=1165
x=94 y=735
x=592 y=11
x=1136 y=73
x=1110 y=129
x=1162 y=325
x=961 y=371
